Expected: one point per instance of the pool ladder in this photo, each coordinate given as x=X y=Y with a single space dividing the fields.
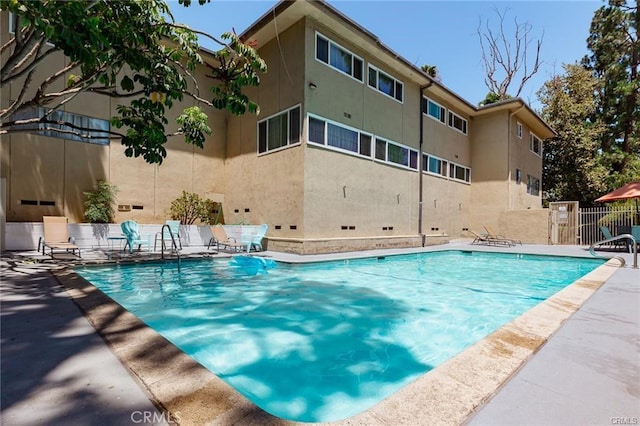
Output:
x=174 y=245
x=634 y=244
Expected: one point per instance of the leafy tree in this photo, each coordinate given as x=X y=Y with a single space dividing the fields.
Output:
x=131 y=51
x=571 y=164
x=432 y=71
x=492 y=98
x=98 y=205
x=507 y=58
x=615 y=59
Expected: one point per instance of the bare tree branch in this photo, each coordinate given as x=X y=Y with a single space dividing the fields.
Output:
x=505 y=56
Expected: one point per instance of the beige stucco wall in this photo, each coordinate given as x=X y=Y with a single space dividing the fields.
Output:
x=270 y=186
x=528 y=226
x=343 y=190
x=446 y=206
x=497 y=153
x=489 y=157
x=43 y=168
x=521 y=157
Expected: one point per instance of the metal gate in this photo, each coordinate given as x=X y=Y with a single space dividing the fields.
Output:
x=564 y=222
x=617 y=218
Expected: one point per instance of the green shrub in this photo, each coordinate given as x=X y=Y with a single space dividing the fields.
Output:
x=98 y=205
x=189 y=207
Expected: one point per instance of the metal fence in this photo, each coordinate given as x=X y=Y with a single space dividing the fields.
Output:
x=617 y=219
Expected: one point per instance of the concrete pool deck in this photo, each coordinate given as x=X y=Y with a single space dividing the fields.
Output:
x=574 y=359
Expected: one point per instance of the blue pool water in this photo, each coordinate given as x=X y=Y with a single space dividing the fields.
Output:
x=324 y=341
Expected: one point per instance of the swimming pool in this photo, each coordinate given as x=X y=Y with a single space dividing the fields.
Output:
x=324 y=341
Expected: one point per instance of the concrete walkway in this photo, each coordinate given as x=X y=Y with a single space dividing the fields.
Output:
x=588 y=373
x=55 y=369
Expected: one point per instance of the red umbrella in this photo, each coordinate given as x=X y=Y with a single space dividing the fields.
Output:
x=630 y=190
x=625 y=192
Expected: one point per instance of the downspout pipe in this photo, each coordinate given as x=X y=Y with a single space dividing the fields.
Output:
x=420 y=160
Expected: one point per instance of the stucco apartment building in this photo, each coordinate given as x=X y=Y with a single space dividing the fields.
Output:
x=354 y=148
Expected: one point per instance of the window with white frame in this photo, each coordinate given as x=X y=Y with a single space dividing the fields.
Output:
x=434 y=165
x=519 y=130
x=279 y=131
x=385 y=83
x=396 y=154
x=343 y=138
x=338 y=57
x=338 y=136
x=458 y=172
x=443 y=168
x=535 y=144
x=457 y=122
x=433 y=110
x=533 y=185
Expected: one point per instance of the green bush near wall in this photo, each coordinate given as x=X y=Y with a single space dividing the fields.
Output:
x=98 y=205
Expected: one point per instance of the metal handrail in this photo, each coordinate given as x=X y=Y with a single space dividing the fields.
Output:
x=173 y=243
x=634 y=244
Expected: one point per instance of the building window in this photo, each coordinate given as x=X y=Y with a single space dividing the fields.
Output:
x=519 y=129
x=13 y=22
x=316 y=130
x=279 y=131
x=434 y=165
x=458 y=172
x=381 y=149
x=338 y=57
x=64 y=125
x=365 y=145
x=457 y=122
x=391 y=152
x=433 y=110
x=535 y=144
x=339 y=137
x=518 y=176
x=533 y=185
x=443 y=168
x=343 y=138
x=385 y=83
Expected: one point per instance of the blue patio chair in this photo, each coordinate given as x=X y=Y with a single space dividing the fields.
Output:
x=607 y=235
x=130 y=231
x=252 y=237
x=174 y=228
x=256 y=241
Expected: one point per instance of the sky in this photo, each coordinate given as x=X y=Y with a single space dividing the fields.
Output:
x=440 y=33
